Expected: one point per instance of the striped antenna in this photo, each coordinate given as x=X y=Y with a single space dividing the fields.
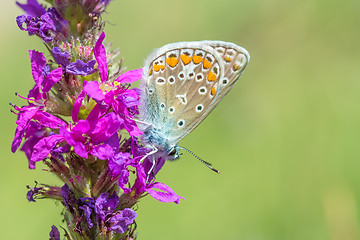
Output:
x=204 y=162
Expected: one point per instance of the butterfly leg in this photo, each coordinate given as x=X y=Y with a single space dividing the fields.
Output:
x=151 y=169
x=148 y=154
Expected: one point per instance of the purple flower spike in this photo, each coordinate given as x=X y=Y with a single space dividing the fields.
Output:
x=100 y=56
x=121 y=221
x=54 y=233
x=32 y=8
x=80 y=68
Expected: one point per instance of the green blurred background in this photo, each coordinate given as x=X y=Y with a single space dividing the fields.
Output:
x=286 y=138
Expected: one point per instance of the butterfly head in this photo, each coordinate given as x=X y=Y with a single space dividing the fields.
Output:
x=173 y=153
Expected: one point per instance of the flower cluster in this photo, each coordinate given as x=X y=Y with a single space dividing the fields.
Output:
x=79 y=121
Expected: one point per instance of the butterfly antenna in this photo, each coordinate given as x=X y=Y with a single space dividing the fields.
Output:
x=204 y=162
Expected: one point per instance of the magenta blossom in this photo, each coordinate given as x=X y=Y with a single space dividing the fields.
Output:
x=116 y=97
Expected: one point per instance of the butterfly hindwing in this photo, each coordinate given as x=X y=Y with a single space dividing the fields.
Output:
x=234 y=59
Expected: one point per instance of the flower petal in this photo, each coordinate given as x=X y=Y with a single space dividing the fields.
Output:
x=32 y=8
x=80 y=68
x=93 y=90
x=38 y=62
x=130 y=76
x=54 y=233
x=122 y=220
x=25 y=115
x=102 y=151
x=44 y=146
x=62 y=58
x=100 y=56
x=77 y=105
x=105 y=127
x=49 y=81
x=166 y=194
x=48 y=120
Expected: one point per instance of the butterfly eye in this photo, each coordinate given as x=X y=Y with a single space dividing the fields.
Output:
x=173 y=152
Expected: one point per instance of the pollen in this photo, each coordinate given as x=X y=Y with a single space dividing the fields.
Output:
x=211 y=77
x=197 y=59
x=172 y=61
x=213 y=91
x=207 y=64
x=186 y=59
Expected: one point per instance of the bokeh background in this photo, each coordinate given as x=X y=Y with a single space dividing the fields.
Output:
x=286 y=138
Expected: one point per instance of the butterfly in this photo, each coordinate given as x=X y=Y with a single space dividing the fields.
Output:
x=181 y=84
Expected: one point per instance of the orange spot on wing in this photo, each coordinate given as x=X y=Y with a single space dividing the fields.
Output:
x=186 y=59
x=150 y=72
x=156 y=67
x=213 y=91
x=172 y=61
x=207 y=64
x=227 y=59
x=236 y=67
x=197 y=59
x=211 y=77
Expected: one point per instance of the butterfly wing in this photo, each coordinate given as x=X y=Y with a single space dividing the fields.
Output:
x=182 y=83
x=234 y=59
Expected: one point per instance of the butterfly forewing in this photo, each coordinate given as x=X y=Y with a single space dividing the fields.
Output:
x=182 y=81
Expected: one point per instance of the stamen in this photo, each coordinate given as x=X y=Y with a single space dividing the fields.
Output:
x=28 y=99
